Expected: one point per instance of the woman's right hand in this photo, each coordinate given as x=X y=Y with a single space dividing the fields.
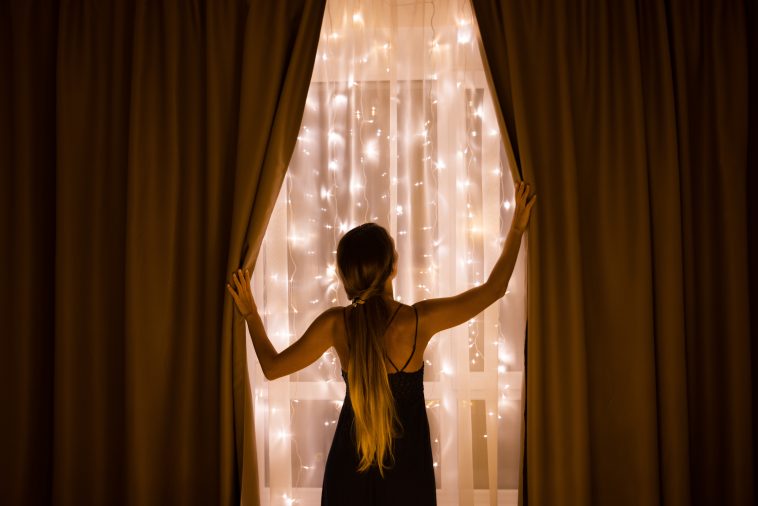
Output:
x=525 y=199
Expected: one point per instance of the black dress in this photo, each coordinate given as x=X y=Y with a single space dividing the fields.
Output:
x=411 y=479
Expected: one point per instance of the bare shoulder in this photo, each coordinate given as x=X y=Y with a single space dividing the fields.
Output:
x=331 y=317
x=423 y=313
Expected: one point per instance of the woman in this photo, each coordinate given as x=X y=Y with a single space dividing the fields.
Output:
x=381 y=452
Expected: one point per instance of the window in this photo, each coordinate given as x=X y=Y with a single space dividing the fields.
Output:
x=399 y=129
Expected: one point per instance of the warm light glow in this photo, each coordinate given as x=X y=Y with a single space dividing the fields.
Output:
x=371 y=149
x=399 y=129
x=464 y=35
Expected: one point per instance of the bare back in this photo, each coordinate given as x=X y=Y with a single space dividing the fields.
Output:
x=398 y=340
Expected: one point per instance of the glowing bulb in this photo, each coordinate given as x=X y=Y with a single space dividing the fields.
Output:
x=358 y=17
x=355 y=186
x=311 y=104
x=464 y=35
x=371 y=150
x=333 y=165
x=399 y=210
x=340 y=99
x=507 y=204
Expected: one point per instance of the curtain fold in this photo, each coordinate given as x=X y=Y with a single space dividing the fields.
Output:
x=631 y=119
x=266 y=139
x=142 y=146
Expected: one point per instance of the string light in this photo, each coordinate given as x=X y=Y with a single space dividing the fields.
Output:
x=384 y=139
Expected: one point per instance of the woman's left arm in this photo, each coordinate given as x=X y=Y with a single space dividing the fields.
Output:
x=300 y=354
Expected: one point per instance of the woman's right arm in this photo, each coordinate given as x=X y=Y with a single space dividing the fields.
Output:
x=439 y=314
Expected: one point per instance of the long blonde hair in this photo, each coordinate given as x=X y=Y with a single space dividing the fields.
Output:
x=365 y=259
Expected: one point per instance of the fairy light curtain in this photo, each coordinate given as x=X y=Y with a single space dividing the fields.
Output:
x=398 y=129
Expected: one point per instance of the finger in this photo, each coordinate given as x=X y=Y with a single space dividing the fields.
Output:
x=247 y=278
x=237 y=283
x=524 y=191
x=245 y=282
x=531 y=202
x=234 y=295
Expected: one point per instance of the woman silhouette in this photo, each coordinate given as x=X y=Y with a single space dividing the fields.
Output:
x=381 y=452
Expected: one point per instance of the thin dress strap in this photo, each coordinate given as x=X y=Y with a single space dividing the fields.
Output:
x=415 y=333
x=414 y=345
x=397 y=310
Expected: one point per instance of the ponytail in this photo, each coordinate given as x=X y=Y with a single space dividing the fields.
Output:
x=365 y=257
x=373 y=403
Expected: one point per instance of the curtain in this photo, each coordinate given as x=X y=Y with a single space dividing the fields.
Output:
x=631 y=119
x=142 y=147
x=398 y=129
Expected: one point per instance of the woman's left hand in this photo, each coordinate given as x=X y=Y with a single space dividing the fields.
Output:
x=242 y=295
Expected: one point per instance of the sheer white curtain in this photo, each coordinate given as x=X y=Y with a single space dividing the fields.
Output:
x=398 y=129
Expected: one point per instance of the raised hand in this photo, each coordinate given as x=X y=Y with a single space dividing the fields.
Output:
x=241 y=294
x=525 y=199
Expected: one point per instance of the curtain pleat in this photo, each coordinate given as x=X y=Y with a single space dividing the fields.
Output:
x=266 y=138
x=631 y=119
x=28 y=232
x=143 y=144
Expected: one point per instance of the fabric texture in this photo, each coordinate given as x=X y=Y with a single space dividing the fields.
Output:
x=410 y=481
x=631 y=120
x=410 y=478
x=142 y=147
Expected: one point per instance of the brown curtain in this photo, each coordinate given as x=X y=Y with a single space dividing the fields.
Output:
x=142 y=145
x=631 y=119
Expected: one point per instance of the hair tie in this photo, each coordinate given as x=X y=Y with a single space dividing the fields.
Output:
x=357 y=300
